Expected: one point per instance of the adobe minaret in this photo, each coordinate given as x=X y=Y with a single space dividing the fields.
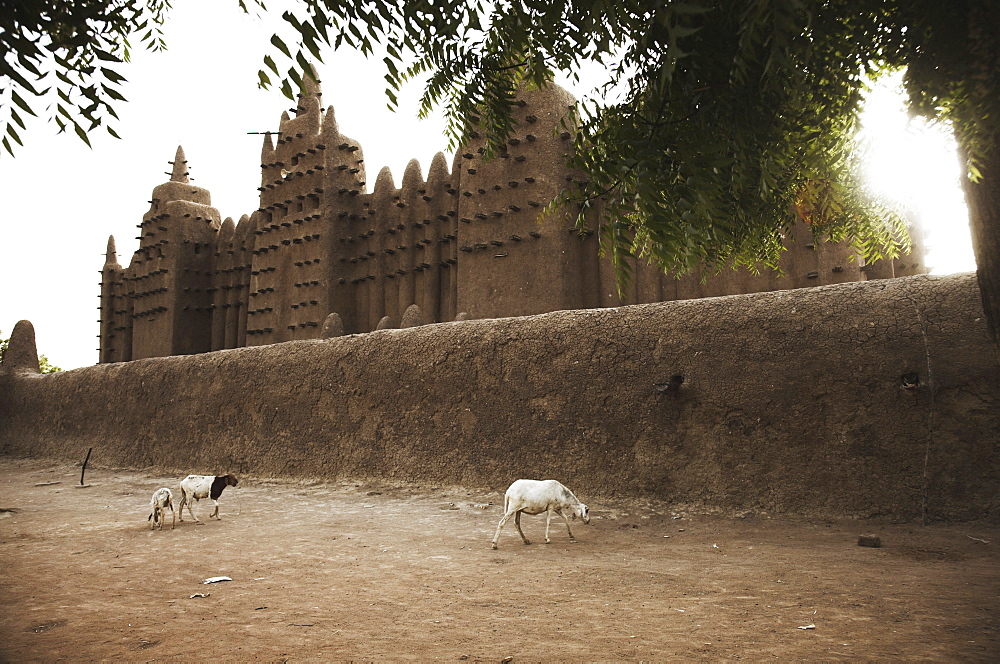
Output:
x=322 y=255
x=162 y=302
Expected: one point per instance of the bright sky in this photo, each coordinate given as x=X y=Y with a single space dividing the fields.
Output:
x=62 y=200
x=915 y=162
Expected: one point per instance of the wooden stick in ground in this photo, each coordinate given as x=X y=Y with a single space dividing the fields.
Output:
x=85 y=465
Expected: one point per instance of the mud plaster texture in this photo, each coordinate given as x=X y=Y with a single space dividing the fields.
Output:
x=855 y=400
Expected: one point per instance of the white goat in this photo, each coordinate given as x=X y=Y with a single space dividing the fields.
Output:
x=162 y=499
x=196 y=487
x=535 y=497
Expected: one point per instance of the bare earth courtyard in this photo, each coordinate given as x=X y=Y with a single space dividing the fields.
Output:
x=332 y=571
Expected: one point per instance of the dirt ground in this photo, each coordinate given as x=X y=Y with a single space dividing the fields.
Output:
x=324 y=571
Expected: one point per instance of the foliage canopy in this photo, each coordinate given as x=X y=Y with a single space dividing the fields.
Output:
x=727 y=123
x=730 y=121
x=71 y=48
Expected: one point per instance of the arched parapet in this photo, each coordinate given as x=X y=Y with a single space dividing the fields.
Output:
x=412 y=317
x=333 y=326
x=21 y=354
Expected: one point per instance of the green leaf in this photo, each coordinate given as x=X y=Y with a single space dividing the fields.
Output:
x=21 y=103
x=112 y=75
x=303 y=63
x=81 y=132
x=105 y=56
x=280 y=45
x=114 y=94
x=13 y=134
x=270 y=65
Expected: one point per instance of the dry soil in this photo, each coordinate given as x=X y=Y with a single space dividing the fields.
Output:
x=324 y=571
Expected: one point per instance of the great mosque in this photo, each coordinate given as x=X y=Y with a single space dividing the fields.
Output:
x=325 y=255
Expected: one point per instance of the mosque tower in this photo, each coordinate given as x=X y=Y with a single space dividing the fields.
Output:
x=168 y=280
x=116 y=310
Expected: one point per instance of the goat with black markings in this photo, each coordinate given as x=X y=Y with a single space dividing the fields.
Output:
x=535 y=497
x=162 y=500
x=196 y=487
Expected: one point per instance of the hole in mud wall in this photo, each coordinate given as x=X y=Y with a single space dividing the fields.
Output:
x=671 y=386
x=910 y=380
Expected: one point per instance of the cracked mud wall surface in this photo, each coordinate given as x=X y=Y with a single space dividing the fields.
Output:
x=858 y=399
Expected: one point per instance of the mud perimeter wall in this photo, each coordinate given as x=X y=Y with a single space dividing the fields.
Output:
x=876 y=398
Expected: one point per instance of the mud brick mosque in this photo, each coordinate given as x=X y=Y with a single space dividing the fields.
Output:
x=325 y=255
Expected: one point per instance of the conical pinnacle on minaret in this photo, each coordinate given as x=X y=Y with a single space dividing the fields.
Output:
x=180 y=171
x=112 y=255
x=310 y=84
x=267 y=150
x=330 y=126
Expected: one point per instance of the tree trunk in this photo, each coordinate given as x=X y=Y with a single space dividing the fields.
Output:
x=983 y=199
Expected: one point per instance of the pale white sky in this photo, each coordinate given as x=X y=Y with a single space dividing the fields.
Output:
x=62 y=199
x=915 y=162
